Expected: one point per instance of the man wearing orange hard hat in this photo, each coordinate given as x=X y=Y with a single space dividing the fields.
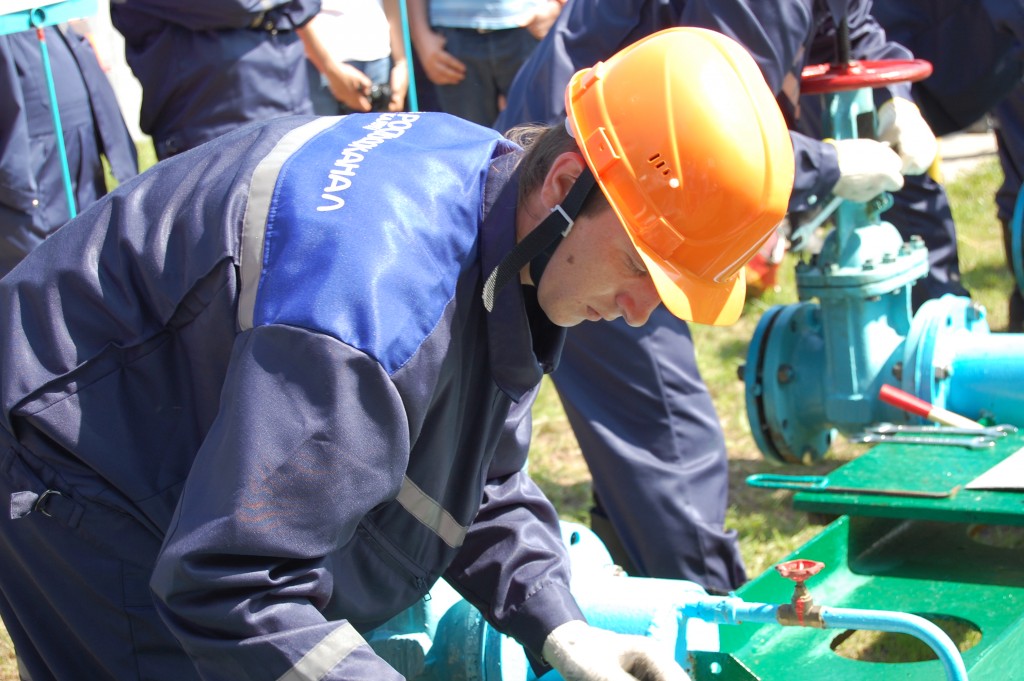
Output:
x=698 y=172
x=286 y=385
x=644 y=418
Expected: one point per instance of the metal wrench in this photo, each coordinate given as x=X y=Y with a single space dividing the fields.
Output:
x=988 y=432
x=976 y=442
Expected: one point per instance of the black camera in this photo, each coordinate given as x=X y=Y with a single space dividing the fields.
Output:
x=380 y=97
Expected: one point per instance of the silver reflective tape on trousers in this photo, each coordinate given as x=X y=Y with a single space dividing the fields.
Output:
x=254 y=225
x=326 y=655
x=430 y=513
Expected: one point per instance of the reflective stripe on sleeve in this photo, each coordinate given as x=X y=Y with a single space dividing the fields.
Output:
x=432 y=514
x=326 y=655
x=261 y=190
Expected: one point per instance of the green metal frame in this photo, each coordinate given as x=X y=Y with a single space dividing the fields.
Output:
x=906 y=554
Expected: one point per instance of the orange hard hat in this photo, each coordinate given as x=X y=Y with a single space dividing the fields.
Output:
x=689 y=145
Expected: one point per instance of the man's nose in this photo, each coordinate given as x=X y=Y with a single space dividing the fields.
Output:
x=638 y=305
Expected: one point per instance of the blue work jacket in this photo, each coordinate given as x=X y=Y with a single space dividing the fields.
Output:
x=273 y=352
x=783 y=37
x=209 y=66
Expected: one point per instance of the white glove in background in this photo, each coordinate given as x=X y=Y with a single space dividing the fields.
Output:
x=866 y=169
x=901 y=125
x=581 y=652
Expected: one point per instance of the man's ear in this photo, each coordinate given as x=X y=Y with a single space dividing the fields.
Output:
x=561 y=177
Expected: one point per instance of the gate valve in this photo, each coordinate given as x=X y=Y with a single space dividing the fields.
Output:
x=801 y=610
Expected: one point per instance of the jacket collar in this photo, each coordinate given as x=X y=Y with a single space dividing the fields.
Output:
x=523 y=343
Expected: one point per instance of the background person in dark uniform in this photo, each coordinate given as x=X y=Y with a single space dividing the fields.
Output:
x=33 y=201
x=635 y=398
x=207 y=68
x=976 y=48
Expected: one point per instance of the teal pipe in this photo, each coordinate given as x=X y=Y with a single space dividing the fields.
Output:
x=901 y=623
x=730 y=610
x=1016 y=240
x=986 y=378
x=38 y=20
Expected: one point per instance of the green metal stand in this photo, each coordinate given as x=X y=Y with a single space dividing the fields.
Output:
x=912 y=554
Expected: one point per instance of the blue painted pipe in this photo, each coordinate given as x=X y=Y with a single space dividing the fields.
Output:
x=901 y=623
x=952 y=360
x=444 y=638
x=1017 y=240
x=728 y=610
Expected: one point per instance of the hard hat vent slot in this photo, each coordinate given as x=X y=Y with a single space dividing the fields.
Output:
x=660 y=164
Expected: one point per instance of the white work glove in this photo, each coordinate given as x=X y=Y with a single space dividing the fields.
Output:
x=901 y=125
x=866 y=169
x=581 y=652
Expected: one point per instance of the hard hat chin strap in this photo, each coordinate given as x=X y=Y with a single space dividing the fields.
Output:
x=538 y=246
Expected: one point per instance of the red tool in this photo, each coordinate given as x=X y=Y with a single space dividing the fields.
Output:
x=915 y=405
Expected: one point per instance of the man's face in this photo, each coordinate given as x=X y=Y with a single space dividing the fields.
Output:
x=595 y=273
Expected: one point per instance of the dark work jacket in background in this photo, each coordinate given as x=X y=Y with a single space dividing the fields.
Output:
x=209 y=66
x=33 y=200
x=977 y=49
x=975 y=46
x=783 y=37
x=273 y=352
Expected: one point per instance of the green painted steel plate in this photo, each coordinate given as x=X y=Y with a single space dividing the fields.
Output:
x=880 y=475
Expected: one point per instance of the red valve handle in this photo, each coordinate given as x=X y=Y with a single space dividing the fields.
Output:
x=915 y=405
x=821 y=78
x=800 y=569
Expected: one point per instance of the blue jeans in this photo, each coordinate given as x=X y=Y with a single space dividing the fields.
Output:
x=492 y=59
x=324 y=103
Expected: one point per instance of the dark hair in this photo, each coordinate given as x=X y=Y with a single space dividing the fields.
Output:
x=543 y=144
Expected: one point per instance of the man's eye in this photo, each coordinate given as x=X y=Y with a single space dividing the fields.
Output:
x=638 y=268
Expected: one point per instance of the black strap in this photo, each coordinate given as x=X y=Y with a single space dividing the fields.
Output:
x=546 y=235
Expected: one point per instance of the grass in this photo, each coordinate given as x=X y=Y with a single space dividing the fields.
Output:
x=767 y=525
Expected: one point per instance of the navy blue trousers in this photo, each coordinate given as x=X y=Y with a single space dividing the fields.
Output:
x=98 y=620
x=650 y=434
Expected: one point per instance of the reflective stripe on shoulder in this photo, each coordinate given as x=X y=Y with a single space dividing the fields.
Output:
x=326 y=655
x=432 y=514
x=261 y=190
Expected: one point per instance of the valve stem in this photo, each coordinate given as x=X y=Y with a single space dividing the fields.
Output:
x=801 y=611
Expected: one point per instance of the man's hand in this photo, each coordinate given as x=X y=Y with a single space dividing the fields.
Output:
x=901 y=125
x=349 y=85
x=544 y=18
x=441 y=67
x=581 y=652
x=866 y=169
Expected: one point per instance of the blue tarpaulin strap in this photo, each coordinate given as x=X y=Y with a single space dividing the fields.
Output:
x=21 y=16
x=69 y=191
x=414 y=104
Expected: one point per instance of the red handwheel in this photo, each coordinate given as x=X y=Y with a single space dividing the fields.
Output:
x=854 y=75
x=799 y=570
